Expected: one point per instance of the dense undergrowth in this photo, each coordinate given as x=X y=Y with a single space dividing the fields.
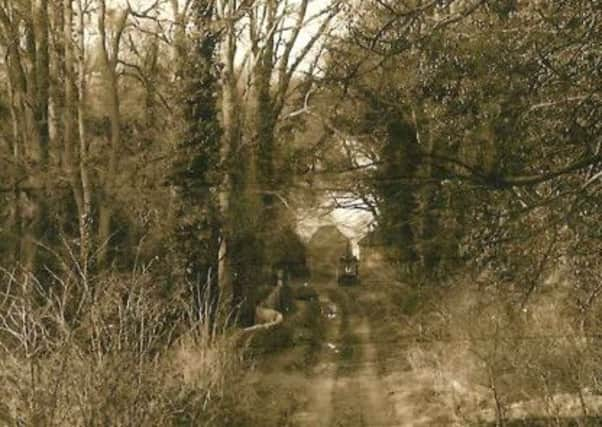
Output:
x=115 y=351
x=485 y=357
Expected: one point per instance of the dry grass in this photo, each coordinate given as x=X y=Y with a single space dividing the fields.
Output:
x=468 y=351
x=488 y=358
x=116 y=353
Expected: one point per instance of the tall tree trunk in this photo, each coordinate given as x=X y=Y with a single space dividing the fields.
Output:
x=36 y=37
x=398 y=207
x=237 y=242
x=71 y=103
x=264 y=138
x=84 y=216
x=428 y=209
x=57 y=86
x=14 y=222
x=106 y=208
x=110 y=56
x=17 y=84
x=230 y=142
x=42 y=68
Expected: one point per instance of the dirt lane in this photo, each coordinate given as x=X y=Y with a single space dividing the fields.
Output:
x=345 y=387
x=347 y=390
x=317 y=409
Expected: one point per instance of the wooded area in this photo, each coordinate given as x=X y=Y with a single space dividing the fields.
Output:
x=155 y=157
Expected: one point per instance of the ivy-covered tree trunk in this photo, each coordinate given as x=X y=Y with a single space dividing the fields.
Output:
x=196 y=173
x=400 y=164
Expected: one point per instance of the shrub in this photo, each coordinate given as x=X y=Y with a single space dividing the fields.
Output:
x=113 y=352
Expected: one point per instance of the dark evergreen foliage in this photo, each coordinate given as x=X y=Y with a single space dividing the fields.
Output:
x=196 y=174
x=401 y=159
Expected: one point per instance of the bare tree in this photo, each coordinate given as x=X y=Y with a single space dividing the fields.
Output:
x=25 y=29
x=110 y=45
x=257 y=86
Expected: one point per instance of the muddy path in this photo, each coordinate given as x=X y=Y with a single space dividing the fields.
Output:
x=358 y=358
x=345 y=389
x=337 y=382
x=360 y=394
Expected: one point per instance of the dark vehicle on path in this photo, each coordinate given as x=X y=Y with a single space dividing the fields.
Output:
x=348 y=268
